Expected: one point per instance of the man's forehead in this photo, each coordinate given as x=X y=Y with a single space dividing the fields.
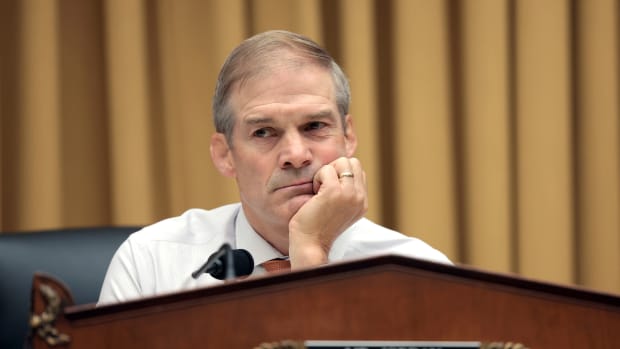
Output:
x=280 y=71
x=312 y=93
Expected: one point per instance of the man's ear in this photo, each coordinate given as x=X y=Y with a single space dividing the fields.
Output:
x=349 y=136
x=221 y=155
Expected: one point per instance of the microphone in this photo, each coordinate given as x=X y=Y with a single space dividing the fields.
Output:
x=227 y=263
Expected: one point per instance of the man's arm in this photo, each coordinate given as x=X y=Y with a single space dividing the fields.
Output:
x=339 y=202
x=121 y=282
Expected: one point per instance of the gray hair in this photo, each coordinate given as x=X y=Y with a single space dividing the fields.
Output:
x=263 y=52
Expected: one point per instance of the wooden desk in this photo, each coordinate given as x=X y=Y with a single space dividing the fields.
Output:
x=383 y=298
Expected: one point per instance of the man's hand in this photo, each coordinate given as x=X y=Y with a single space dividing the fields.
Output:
x=339 y=202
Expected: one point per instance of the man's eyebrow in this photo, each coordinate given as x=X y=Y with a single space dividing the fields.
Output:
x=258 y=120
x=320 y=114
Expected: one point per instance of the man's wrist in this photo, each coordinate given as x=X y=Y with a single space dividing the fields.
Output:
x=305 y=253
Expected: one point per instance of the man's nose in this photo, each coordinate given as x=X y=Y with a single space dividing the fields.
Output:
x=295 y=152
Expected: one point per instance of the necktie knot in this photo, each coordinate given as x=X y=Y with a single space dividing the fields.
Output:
x=276 y=265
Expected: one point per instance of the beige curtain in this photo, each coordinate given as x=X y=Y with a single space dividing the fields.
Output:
x=489 y=128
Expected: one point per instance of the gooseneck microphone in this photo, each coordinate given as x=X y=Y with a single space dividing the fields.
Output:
x=227 y=263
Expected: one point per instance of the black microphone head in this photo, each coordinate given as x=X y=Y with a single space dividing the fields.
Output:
x=244 y=265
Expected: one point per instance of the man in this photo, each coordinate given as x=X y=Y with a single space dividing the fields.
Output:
x=284 y=133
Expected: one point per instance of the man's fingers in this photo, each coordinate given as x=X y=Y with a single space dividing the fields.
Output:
x=325 y=174
x=343 y=172
x=343 y=168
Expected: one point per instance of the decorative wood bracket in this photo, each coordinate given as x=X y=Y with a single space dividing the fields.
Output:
x=48 y=301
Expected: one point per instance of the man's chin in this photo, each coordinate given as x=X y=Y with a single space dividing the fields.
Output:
x=296 y=202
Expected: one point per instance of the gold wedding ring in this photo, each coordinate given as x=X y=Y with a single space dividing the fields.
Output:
x=345 y=174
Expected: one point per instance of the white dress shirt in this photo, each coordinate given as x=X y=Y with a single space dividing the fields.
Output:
x=161 y=257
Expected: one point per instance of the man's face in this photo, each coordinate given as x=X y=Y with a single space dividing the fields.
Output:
x=287 y=126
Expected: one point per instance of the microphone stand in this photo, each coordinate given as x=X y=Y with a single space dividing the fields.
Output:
x=226 y=251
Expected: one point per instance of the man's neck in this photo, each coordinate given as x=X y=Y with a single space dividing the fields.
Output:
x=275 y=234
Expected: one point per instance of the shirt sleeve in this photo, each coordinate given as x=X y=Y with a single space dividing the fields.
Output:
x=367 y=239
x=121 y=281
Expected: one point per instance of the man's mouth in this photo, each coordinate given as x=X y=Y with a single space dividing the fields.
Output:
x=297 y=188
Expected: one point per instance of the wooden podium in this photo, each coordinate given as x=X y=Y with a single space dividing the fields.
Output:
x=383 y=298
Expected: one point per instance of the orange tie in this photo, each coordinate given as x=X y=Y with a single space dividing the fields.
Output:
x=277 y=265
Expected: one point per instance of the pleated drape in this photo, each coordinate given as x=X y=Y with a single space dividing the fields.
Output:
x=488 y=128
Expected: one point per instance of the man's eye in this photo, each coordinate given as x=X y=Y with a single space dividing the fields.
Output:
x=263 y=133
x=315 y=125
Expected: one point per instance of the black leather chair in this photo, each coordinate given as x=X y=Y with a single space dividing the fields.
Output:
x=77 y=257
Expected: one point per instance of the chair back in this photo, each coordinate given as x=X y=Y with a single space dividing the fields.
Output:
x=78 y=257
